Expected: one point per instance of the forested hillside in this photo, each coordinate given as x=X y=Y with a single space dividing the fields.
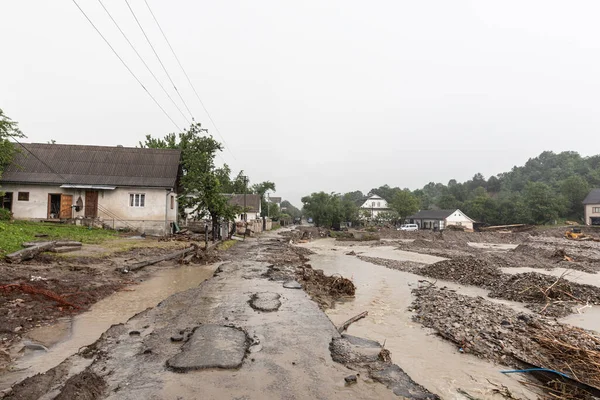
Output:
x=547 y=187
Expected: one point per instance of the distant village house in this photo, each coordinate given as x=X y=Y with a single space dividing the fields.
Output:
x=441 y=219
x=592 y=207
x=120 y=187
x=374 y=205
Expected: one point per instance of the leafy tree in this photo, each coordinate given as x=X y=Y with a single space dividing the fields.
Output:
x=201 y=181
x=261 y=189
x=448 y=202
x=575 y=188
x=8 y=129
x=542 y=203
x=404 y=203
x=289 y=209
x=330 y=209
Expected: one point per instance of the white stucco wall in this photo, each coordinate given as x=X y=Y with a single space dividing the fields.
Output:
x=113 y=206
x=589 y=213
x=459 y=218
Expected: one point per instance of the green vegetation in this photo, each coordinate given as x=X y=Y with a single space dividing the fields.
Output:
x=330 y=210
x=8 y=129
x=290 y=210
x=226 y=244
x=14 y=233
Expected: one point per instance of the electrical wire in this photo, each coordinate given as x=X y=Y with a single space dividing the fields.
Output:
x=188 y=79
x=144 y=62
x=39 y=159
x=158 y=57
x=126 y=66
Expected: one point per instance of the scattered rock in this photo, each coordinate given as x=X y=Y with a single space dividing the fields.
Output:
x=177 y=338
x=350 y=379
x=292 y=285
x=134 y=333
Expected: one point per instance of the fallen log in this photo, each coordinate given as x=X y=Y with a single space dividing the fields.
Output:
x=142 y=264
x=352 y=320
x=59 y=243
x=28 y=253
x=64 y=249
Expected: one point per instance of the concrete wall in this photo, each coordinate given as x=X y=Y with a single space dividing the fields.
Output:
x=589 y=213
x=459 y=218
x=113 y=206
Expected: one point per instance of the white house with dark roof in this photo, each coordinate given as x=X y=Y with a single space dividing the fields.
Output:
x=440 y=219
x=375 y=205
x=132 y=188
x=591 y=206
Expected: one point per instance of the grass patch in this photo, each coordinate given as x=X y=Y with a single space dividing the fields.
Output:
x=225 y=245
x=14 y=233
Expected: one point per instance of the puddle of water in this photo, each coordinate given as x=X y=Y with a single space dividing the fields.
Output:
x=86 y=328
x=429 y=360
x=588 y=319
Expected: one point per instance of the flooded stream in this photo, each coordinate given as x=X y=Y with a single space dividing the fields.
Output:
x=68 y=335
x=386 y=295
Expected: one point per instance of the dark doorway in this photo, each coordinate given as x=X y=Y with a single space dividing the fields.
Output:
x=7 y=201
x=91 y=204
x=595 y=220
x=53 y=206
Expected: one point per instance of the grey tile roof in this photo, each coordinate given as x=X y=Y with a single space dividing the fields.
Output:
x=252 y=201
x=93 y=165
x=432 y=214
x=593 y=197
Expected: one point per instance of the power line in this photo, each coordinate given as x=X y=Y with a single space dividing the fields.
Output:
x=39 y=159
x=126 y=66
x=189 y=80
x=144 y=62
x=159 y=60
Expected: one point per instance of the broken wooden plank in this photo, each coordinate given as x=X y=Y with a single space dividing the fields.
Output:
x=28 y=253
x=142 y=264
x=346 y=324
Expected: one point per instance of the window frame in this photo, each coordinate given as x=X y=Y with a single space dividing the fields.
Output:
x=595 y=210
x=137 y=200
x=25 y=196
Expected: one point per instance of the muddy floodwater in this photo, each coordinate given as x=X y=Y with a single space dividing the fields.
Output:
x=386 y=295
x=68 y=335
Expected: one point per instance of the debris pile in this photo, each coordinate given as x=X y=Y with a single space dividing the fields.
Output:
x=466 y=271
x=406 y=266
x=548 y=295
x=500 y=334
x=322 y=288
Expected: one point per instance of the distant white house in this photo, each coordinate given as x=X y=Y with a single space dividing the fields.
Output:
x=592 y=207
x=440 y=219
x=253 y=207
x=375 y=205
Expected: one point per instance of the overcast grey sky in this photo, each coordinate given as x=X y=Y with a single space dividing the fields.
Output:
x=318 y=95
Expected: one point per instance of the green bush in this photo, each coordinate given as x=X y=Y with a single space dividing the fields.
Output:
x=5 y=215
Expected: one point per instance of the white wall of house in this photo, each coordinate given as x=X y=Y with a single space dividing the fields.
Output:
x=459 y=218
x=114 y=207
x=591 y=210
x=375 y=205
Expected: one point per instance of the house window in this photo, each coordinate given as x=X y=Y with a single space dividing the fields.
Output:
x=137 y=199
x=378 y=204
x=372 y=204
x=172 y=202
x=595 y=210
x=23 y=196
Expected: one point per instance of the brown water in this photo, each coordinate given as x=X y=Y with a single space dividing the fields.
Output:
x=385 y=294
x=84 y=329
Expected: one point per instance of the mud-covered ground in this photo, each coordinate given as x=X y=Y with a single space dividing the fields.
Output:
x=39 y=292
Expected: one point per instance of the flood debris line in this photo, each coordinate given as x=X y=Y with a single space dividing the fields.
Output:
x=29 y=289
x=371 y=359
x=548 y=295
x=406 y=266
x=498 y=333
x=324 y=289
